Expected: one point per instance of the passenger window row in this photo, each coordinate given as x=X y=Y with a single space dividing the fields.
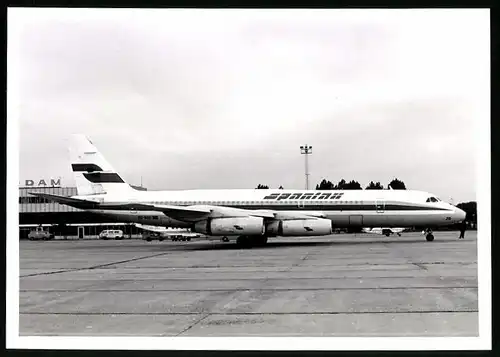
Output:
x=282 y=202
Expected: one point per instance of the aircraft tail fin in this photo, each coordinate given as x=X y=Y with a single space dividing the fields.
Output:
x=93 y=174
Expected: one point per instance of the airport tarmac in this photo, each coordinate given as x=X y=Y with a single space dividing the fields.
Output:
x=340 y=285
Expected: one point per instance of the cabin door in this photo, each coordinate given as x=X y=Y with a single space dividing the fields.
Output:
x=380 y=205
x=356 y=221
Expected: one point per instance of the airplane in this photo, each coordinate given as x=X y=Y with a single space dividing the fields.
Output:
x=385 y=231
x=174 y=233
x=249 y=215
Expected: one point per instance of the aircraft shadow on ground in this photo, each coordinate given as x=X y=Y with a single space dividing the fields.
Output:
x=199 y=246
x=272 y=244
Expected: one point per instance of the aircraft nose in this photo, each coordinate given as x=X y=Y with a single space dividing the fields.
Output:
x=459 y=214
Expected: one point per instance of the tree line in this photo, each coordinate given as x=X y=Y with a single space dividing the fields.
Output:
x=395 y=184
x=470 y=209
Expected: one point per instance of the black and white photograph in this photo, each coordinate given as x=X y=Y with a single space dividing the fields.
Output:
x=206 y=178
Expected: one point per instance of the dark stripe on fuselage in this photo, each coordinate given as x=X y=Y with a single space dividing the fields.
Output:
x=342 y=207
x=315 y=207
x=85 y=167
x=103 y=177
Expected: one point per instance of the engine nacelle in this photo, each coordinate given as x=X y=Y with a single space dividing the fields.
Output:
x=300 y=227
x=231 y=226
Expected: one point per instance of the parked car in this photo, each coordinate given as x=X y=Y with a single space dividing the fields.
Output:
x=40 y=234
x=111 y=234
x=180 y=238
x=149 y=236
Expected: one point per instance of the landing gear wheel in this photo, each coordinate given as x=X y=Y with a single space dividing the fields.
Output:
x=260 y=241
x=243 y=241
x=248 y=241
x=429 y=237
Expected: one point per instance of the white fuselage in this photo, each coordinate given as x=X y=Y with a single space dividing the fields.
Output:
x=347 y=208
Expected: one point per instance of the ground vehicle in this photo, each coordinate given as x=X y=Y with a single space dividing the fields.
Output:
x=161 y=236
x=39 y=234
x=180 y=238
x=150 y=233
x=111 y=234
x=384 y=231
x=149 y=236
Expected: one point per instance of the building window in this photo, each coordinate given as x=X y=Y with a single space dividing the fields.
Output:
x=23 y=200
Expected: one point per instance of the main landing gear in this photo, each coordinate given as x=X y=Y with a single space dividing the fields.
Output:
x=251 y=241
x=429 y=236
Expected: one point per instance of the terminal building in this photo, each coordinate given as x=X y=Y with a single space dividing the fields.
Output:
x=61 y=220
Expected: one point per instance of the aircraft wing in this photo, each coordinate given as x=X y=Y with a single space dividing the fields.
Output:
x=188 y=213
x=198 y=213
x=227 y=212
x=296 y=215
x=201 y=212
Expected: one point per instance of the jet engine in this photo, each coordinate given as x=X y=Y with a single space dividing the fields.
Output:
x=300 y=227
x=231 y=226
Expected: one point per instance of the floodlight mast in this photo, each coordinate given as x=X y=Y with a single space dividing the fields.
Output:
x=306 y=150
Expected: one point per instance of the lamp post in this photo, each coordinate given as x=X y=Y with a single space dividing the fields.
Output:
x=306 y=150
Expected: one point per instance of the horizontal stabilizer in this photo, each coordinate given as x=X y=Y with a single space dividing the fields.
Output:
x=73 y=202
x=176 y=212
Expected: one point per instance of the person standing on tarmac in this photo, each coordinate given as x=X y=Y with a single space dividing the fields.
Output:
x=463 y=227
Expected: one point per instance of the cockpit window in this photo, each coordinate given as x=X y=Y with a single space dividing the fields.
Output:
x=433 y=199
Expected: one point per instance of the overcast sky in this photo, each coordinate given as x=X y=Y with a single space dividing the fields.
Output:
x=223 y=99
